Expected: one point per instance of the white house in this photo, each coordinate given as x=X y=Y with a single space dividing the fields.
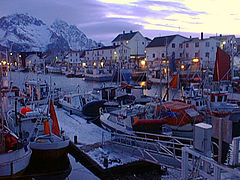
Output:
x=107 y=56
x=202 y=49
x=73 y=58
x=134 y=40
x=228 y=43
x=164 y=47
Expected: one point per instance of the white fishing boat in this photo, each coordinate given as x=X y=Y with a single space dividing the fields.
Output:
x=14 y=151
x=14 y=154
x=101 y=75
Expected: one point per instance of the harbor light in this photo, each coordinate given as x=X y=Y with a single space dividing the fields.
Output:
x=4 y=63
x=101 y=64
x=143 y=62
x=94 y=63
x=195 y=60
x=11 y=53
x=126 y=42
x=164 y=70
x=164 y=61
x=83 y=64
x=20 y=55
x=182 y=66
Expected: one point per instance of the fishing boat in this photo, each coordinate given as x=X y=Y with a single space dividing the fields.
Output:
x=54 y=69
x=37 y=92
x=14 y=151
x=100 y=75
x=121 y=120
x=49 y=146
x=177 y=116
x=14 y=154
x=84 y=105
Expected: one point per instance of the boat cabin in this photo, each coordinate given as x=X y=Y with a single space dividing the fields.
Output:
x=36 y=90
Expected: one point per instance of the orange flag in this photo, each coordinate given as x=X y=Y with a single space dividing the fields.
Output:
x=46 y=126
x=174 y=82
x=55 y=126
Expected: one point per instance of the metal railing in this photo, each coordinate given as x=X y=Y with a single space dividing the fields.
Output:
x=201 y=166
x=153 y=143
x=235 y=152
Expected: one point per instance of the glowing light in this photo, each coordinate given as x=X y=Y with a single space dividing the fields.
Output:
x=94 y=63
x=224 y=42
x=4 y=63
x=11 y=54
x=115 y=53
x=145 y=51
x=164 y=61
x=195 y=60
x=20 y=55
x=182 y=66
x=143 y=62
x=101 y=64
x=164 y=70
x=126 y=42
x=143 y=83
x=83 y=64
x=15 y=63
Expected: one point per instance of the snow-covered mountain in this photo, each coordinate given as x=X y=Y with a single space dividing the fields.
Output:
x=25 y=33
x=75 y=38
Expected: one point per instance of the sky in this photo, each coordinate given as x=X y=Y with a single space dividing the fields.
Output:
x=103 y=20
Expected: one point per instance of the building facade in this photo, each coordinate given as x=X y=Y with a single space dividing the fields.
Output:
x=107 y=56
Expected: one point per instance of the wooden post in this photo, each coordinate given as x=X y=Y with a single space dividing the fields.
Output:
x=220 y=138
x=75 y=140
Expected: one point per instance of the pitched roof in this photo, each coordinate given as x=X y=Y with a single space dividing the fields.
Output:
x=105 y=47
x=161 y=41
x=147 y=38
x=125 y=36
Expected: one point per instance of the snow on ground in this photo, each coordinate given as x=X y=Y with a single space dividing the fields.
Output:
x=114 y=159
x=87 y=133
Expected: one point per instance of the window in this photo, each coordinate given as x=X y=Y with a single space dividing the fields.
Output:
x=207 y=44
x=180 y=54
x=143 y=43
x=102 y=52
x=187 y=55
x=153 y=55
x=187 y=45
x=180 y=46
x=162 y=55
x=197 y=44
x=173 y=53
x=173 y=45
x=207 y=54
x=196 y=54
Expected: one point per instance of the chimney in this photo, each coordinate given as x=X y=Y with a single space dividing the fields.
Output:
x=201 y=35
x=123 y=32
x=131 y=31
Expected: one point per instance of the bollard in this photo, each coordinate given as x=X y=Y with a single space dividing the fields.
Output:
x=105 y=162
x=75 y=140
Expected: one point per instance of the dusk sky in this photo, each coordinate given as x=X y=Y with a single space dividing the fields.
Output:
x=103 y=20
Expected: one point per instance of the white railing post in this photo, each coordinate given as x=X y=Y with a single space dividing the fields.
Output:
x=184 y=164
x=235 y=161
x=216 y=173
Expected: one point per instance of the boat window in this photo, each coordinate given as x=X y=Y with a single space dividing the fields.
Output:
x=212 y=98
x=219 y=99
x=225 y=98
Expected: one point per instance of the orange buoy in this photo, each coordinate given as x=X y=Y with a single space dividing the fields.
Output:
x=24 y=110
